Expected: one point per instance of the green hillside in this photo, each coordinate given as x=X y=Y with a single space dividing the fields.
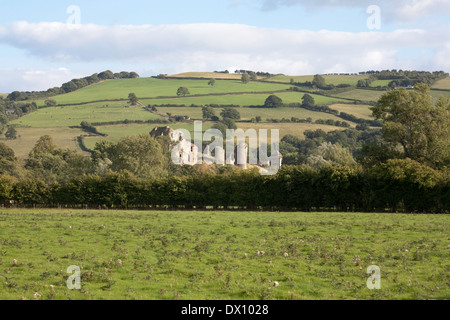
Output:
x=152 y=88
x=443 y=84
x=107 y=102
x=330 y=79
x=64 y=137
x=93 y=112
x=362 y=95
x=207 y=75
x=249 y=113
x=240 y=99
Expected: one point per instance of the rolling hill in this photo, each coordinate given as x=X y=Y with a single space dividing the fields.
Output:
x=443 y=84
x=154 y=88
x=107 y=103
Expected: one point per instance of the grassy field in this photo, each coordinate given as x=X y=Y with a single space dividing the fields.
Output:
x=213 y=255
x=329 y=79
x=116 y=132
x=249 y=113
x=93 y=112
x=241 y=99
x=64 y=137
x=437 y=94
x=442 y=84
x=150 y=87
x=208 y=75
x=287 y=79
x=361 y=94
x=295 y=129
x=381 y=83
x=358 y=110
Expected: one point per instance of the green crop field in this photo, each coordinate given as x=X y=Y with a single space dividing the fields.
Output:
x=150 y=87
x=164 y=255
x=93 y=112
x=442 y=84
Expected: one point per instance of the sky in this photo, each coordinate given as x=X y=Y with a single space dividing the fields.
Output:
x=46 y=43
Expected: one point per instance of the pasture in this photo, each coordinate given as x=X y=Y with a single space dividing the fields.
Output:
x=253 y=99
x=208 y=75
x=116 y=132
x=442 y=84
x=250 y=113
x=358 y=110
x=329 y=79
x=152 y=88
x=437 y=94
x=380 y=83
x=295 y=129
x=165 y=255
x=92 y=112
x=361 y=94
x=63 y=137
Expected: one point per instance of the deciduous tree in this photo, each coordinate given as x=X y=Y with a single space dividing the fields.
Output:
x=273 y=101
x=182 y=91
x=319 y=81
x=308 y=100
x=245 y=78
x=414 y=123
x=208 y=113
x=230 y=113
x=11 y=133
x=133 y=100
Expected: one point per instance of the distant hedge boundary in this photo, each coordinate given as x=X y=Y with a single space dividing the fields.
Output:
x=398 y=186
x=82 y=144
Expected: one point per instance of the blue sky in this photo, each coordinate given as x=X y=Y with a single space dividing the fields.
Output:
x=39 y=50
x=182 y=12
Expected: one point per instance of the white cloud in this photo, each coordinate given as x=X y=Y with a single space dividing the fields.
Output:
x=442 y=57
x=33 y=79
x=414 y=9
x=400 y=10
x=207 y=47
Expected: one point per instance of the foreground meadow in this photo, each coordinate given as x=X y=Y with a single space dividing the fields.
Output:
x=222 y=255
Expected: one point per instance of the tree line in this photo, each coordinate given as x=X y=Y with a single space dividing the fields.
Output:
x=397 y=186
x=70 y=86
x=400 y=78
